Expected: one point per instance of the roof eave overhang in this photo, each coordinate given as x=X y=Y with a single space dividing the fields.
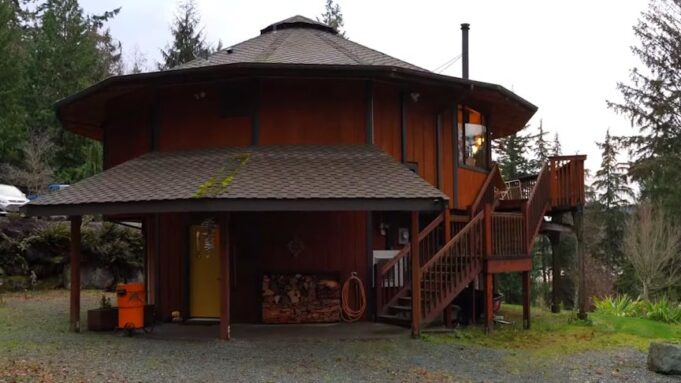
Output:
x=240 y=205
x=362 y=70
x=178 y=76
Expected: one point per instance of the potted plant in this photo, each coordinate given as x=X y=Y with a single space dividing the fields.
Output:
x=105 y=318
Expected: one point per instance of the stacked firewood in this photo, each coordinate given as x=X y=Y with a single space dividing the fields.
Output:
x=300 y=298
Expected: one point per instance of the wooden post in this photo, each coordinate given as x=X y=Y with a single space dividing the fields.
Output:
x=526 y=300
x=577 y=218
x=446 y=220
x=415 y=276
x=224 y=278
x=554 y=237
x=489 y=280
x=75 y=273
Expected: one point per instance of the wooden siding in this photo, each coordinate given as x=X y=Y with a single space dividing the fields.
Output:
x=334 y=243
x=387 y=119
x=191 y=118
x=126 y=137
x=470 y=182
x=421 y=123
x=312 y=112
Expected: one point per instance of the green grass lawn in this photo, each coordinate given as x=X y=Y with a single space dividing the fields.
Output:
x=561 y=334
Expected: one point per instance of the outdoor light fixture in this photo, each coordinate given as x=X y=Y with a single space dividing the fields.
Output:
x=415 y=96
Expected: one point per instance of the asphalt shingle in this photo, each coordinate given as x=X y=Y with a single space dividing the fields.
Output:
x=299 y=40
x=253 y=173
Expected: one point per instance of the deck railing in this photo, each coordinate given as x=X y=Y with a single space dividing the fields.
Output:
x=508 y=235
x=567 y=181
x=452 y=268
x=486 y=193
x=393 y=277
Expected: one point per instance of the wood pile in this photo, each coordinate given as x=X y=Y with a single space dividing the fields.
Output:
x=300 y=298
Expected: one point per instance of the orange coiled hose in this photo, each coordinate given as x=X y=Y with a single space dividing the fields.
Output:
x=350 y=314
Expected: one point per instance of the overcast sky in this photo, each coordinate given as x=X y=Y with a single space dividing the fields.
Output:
x=565 y=57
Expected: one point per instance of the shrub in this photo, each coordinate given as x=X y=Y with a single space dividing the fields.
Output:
x=620 y=305
x=664 y=311
x=623 y=306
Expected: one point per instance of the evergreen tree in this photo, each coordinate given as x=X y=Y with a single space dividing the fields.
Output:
x=556 y=149
x=188 y=39
x=69 y=52
x=652 y=101
x=612 y=191
x=512 y=157
x=333 y=17
x=541 y=147
x=12 y=83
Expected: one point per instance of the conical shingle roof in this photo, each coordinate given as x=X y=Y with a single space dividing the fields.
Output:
x=299 y=40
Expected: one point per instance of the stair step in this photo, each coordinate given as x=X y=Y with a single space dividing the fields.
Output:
x=400 y=308
x=395 y=319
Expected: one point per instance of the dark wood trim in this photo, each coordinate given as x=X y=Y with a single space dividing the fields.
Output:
x=438 y=150
x=455 y=153
x=75 y=252
x=500 y=265
x=371 y=296
x=224 y=277
x=489 y=302
x=488 y=141
x=155 y=126
x=157 y=255
x=415 y=275
x=474 y=169
x=215 y=204
x=255 y=114
x=526 y=300
x=369 y=112
x=403 y=127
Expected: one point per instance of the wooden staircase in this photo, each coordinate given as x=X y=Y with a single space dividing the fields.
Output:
x=495 y=234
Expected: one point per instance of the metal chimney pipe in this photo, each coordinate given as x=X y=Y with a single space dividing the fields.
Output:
x=465 y=27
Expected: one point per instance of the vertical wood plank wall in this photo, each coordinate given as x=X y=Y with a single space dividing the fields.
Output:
x=289 y=112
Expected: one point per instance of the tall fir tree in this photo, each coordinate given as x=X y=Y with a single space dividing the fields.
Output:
x=333 y=17
x=512 y=156
x=541 y=148
x=612 y=192
x=69 y=52
x=189 y=42
x=556 y=148
x=652 y=101
x=12 y=83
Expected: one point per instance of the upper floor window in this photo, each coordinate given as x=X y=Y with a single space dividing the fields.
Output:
x=473 y=141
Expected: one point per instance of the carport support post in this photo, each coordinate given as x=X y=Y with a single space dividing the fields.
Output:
x=224 y=278
x=415 y=275
x=526 y=300
x=75 y=273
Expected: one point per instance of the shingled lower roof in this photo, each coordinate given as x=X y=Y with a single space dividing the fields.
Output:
x=259 y=178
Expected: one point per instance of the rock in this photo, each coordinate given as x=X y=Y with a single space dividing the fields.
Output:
x=90 y=277
x=665 y=358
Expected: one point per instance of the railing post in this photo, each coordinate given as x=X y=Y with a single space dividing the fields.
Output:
x=447 y=218
x=378 y=288
x=415 y=276
x=489 y=281
x=553 y=192
x=526 y=230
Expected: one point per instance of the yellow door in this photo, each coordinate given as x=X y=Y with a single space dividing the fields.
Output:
x=204 y=268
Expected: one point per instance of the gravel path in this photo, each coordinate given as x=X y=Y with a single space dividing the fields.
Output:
x=36 y=346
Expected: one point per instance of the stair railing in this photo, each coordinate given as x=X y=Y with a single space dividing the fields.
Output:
x=393 y=277
x=452 y=268
x=486 y=193
x=534 y=209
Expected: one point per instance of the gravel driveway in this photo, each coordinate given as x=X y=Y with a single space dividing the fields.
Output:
x=36 y=346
